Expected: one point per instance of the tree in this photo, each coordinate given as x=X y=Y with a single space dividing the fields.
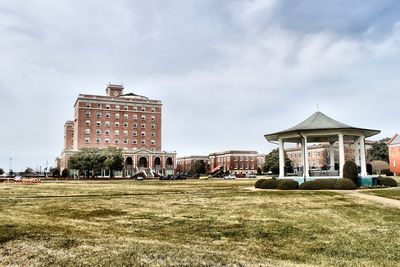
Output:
x=28 y=172
x=350 y=171
x=272 y=162
x=379 y=150
x=113 y=160
x=1 y=171
x=199 y=167
x=259 y=171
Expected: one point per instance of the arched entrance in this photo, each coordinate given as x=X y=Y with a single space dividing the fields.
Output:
x=157 y=165
x=129 y=166
x=169 y=162
x=142 y=163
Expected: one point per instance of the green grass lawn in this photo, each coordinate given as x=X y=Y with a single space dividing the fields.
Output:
x=191 y=223
x=393 y=193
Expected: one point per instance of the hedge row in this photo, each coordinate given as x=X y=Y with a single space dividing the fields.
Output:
x=283 y=184
x=318 y=184
x=387 y=181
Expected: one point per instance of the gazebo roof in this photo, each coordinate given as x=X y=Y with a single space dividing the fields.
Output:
x=320 y=122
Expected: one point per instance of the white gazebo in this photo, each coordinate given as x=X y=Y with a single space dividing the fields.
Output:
x=320 y=128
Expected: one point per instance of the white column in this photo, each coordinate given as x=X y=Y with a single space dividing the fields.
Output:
x=306 y=168
x=341 y=155
x=302 y=155
x=356 y=152
x=281 y=158
x=363 y=157
x=332 y=156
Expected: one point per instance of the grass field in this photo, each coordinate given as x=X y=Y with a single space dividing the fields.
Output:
x=392 y=193
x=191 y=223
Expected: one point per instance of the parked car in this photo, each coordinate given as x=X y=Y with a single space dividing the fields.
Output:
x=203 y=177
x=180 y=177
x=229 y=177
x=168 y=177
x=250 y=175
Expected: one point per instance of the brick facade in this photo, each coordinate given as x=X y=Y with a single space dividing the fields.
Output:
x=394 y=154
x=236 y=161
x=130 y=122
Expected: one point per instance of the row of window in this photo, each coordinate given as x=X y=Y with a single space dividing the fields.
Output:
x=310 y=154
x=117 y=124
x=117 y=116
x=241 y=158
x=118 y=107
x=117 y=141
x=117 y=132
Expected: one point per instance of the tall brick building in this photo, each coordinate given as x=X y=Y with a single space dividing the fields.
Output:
x=394 y=154
x=127 y=121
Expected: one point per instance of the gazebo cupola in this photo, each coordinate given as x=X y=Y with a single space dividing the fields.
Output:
x=320 y=128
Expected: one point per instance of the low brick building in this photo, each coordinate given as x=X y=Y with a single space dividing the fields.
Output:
x=394 y=154
x=187 y=164
x=236 y=161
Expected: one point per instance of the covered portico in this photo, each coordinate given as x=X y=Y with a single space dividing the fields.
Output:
x=320 y=128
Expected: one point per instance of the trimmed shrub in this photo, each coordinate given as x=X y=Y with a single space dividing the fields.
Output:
x=369 y=168
x=318 y=184
x=259 y=182
x=269 y=184
x=387 y=181
x=387 y=172
x=287 y=184
x=65 y=173
x=350 y=171
x=345 y=184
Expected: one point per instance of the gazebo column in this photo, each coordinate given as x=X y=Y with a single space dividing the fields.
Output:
x=363 y=157
x=356 y=152
x=281 y=158
x=341 y=154
x=332 y=156
x=306 y=167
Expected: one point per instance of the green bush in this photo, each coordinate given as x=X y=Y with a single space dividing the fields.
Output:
x=259 y=182
x=65 y=173
x=269 y=184
x=318 y=184
x=345 y=184
x=350 y=171
x=387 y=172
x=287 y=184
x=387 y=181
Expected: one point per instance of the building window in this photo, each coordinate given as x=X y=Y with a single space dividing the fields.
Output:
x=116 y=124
x=153 y=142
x=107 y=123
x=98 y=123
x=117 y=115
x=143 y=109
x=108 y=115
x=125 y=141
x=98 y=131
x=153 y=126
x=125 y=107
x=143 y=125
x=153 y=134
x=116 y=132
x=98 y=114
x=87 y=140
x=153 y=109
x=98 y=105
x=143 y=134
x=116 y=141
x=125 y=133
x=88 y=123
x=125 y=115
x=143 y=142
x=135 y=125
x=134 y=108
x=88 y=105
x=125 y=124
x=134 y=141
x=135 y=117
x=134 y=133
x=98 y=140
x=153 y=118
x=117 y=107
x=87 y=131
x=87 y=114
x=107 y=132
x=108 y=106
x=107 y=140
x=143 y=117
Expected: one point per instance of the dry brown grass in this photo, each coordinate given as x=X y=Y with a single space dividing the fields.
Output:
x=191 y=223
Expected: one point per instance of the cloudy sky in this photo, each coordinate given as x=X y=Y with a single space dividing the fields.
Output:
x=228 y=72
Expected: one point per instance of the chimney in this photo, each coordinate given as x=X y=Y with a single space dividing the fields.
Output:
x=115 y=90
